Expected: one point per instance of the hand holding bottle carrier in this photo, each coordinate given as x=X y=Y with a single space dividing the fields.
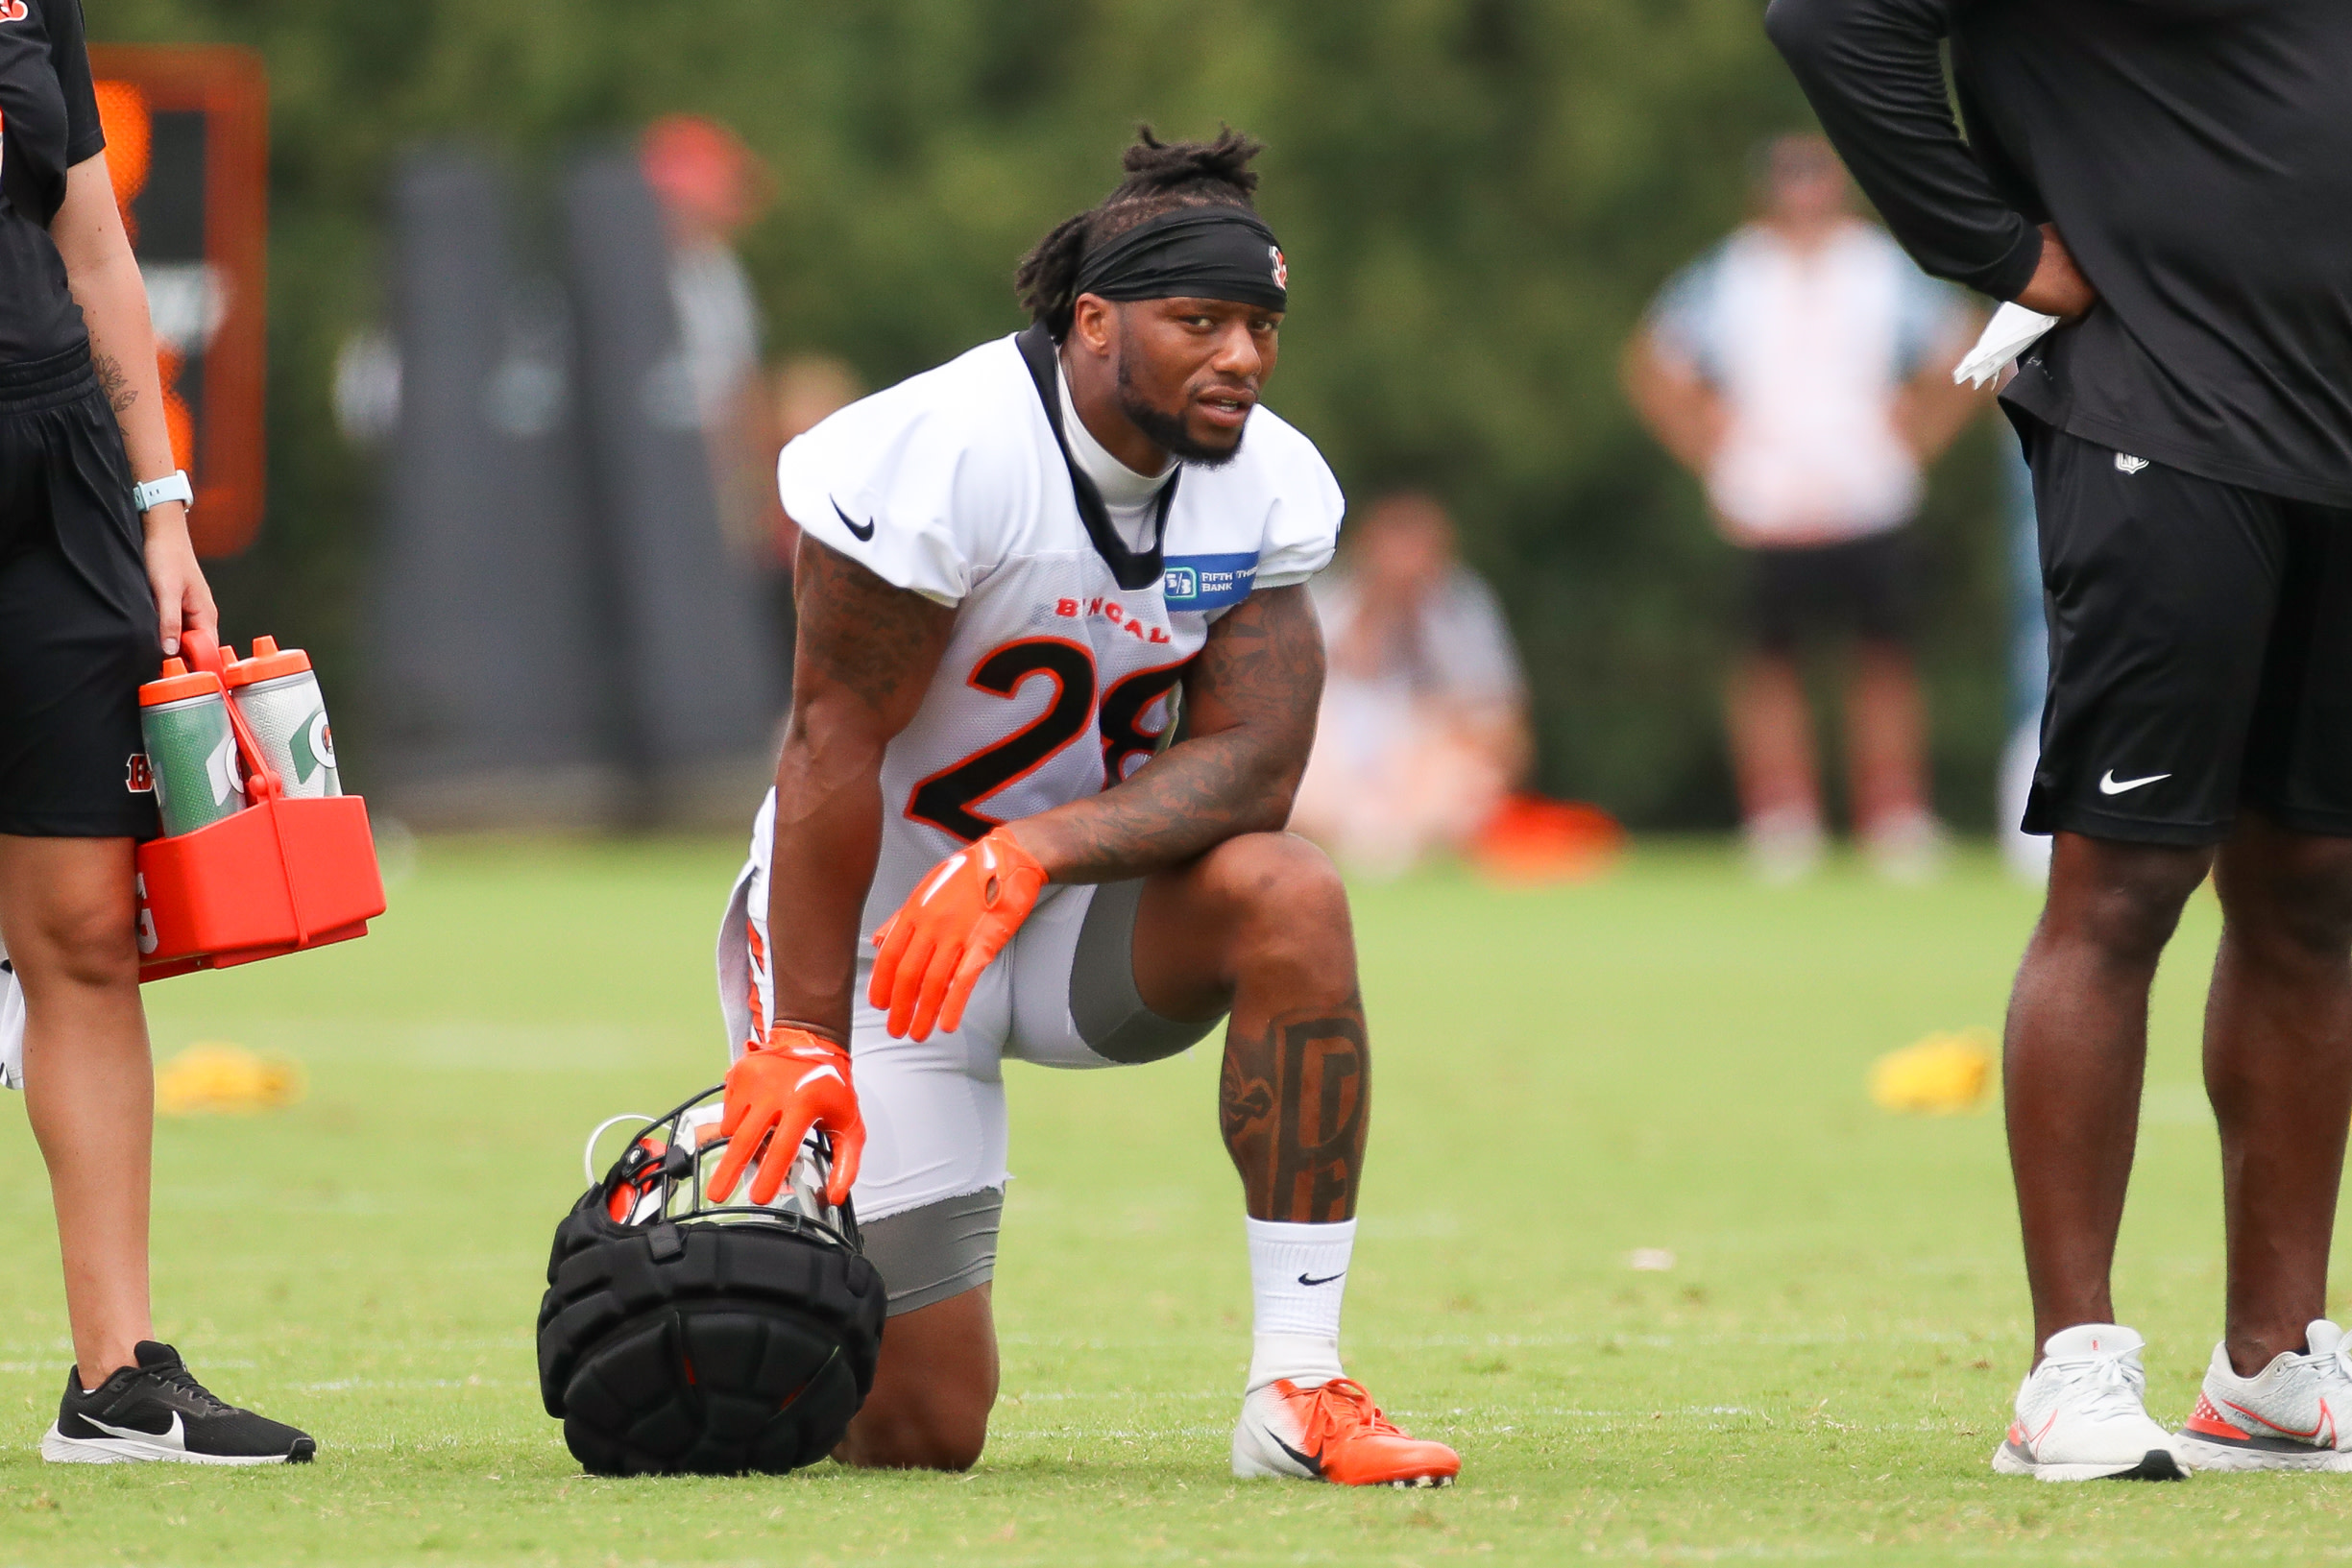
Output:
x=261 y=853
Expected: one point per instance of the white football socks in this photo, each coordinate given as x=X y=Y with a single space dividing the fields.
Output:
x=1297 y=1274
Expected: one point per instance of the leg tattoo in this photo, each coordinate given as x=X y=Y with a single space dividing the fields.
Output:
x=1293 y=1105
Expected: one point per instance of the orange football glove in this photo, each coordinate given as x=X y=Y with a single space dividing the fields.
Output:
x=800 y=1081
x=957 y=920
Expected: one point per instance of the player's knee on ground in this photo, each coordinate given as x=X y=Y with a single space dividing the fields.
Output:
x=932 y=1391
x=919 y=1424
x=1289 y=907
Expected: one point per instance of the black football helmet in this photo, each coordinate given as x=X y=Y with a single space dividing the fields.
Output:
x=682 y=1335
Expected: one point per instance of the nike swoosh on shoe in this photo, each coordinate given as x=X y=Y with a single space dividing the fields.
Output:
x=172 y=1438
x=2326 y=1423
x=1311 y=1461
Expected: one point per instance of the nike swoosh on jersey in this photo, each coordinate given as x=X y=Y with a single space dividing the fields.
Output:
x=864 y=531
x=1325 y=1280
x=2110 y=784
x=174 y=1437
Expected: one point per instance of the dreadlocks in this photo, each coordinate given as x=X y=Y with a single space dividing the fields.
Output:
x=1161 y=176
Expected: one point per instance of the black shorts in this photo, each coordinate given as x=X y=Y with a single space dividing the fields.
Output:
x=77 y=618
x=2201 y=651
x=1862 y=587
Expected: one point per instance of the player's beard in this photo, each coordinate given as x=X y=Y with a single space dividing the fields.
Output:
x=1167 y=430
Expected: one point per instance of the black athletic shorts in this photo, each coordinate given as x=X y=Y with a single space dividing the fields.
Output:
x=2201 y=651
x=77 y=618
x=1863 y=587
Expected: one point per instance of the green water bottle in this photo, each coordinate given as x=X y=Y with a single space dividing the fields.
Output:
x=191 y=749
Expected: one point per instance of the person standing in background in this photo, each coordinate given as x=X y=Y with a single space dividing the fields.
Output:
x=2169 y=184
x=804 y=392
x=98 y=582
x=1801 y=371
x=1424 y=725
x=711 y=187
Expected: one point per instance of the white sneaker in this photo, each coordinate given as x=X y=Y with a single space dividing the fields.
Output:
x=1910 y=849
x=2290 y=1416
x=1783 y=846
x=2080 y=1417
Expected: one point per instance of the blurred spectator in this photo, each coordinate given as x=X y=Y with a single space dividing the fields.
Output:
x=1801 y=370
x=2026 y=855
x=711 y=187
x=804 y=391
x=1423 y=728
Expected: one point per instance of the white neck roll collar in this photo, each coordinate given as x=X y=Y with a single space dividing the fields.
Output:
x=1120 y=486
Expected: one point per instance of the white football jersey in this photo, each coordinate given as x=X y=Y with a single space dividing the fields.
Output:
x=1054 y=684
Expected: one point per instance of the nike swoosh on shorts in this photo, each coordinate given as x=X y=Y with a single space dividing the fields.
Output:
x=2110 y=784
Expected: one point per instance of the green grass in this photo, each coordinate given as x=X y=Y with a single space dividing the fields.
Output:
x=1670 y=1059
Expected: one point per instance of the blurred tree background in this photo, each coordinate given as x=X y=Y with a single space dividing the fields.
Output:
x=1476 y=198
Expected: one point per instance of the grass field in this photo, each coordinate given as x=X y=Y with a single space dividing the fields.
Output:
x=1670 y=1059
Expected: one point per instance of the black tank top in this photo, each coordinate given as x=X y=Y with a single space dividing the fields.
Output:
x=50 y=125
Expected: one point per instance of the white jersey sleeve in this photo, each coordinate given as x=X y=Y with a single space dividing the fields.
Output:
x=903 y=484
x=1302 y=524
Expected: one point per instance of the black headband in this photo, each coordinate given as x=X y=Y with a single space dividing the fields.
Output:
x=1194 y=252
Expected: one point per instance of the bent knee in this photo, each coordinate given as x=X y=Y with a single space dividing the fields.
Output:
x=940 y=1430
x=1285 y=912
x=1277 y=877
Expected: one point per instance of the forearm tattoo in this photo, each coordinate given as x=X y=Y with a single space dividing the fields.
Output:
x=120 y=393
x=867 y=651
x=1252 y=694
x=1294 y=1104
x=879 y=642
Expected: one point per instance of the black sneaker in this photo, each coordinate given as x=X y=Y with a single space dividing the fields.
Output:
x=158 y=1411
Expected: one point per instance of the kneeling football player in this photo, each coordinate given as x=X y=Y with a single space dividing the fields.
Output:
x=1014 y=568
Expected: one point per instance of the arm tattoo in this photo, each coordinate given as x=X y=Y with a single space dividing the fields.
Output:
x=1294 y=1106
x=1250 y=697
x=120 y=393
x=867 y=652
x=877 y=642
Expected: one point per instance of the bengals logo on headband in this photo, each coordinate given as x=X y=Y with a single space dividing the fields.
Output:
x=1282 y=268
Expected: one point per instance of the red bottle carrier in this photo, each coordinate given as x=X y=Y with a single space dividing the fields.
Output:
x=277 y=877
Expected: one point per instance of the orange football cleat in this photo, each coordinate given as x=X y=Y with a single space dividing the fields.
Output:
x=1334 y=1434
